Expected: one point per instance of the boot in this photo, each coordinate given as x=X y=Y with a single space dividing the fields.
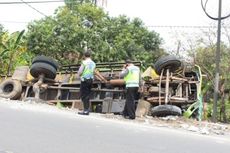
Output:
x=84 y=112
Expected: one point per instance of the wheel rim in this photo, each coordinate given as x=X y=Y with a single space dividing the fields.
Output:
x=8 y=88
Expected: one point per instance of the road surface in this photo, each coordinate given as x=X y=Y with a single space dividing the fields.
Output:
x=28 y=128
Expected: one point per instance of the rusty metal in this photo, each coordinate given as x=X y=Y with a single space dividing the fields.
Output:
x=37 y=86
x=117 y=82
x=100 y=77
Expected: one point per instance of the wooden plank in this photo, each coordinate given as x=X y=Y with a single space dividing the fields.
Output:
x=167 y=87
x=73 y=100
x=64 y=101
x=171 y=99
x=78 y=89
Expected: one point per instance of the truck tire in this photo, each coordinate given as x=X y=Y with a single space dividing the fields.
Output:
x=11 y=89
x=167 y=62
x=39 y=68
x=45 y=59
x=165 y=110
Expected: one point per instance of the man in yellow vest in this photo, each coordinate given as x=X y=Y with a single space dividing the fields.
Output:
x=86 y=74
x=131 y=74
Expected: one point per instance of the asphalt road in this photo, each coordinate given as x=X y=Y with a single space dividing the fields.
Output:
x=35 y=129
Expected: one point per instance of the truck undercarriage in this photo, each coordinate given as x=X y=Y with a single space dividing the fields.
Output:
x=173 y=90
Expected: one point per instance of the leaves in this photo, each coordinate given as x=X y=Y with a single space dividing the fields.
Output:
x=110 y=38
x=11 y=48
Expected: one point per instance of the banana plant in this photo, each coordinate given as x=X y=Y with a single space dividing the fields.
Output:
x=11 y=46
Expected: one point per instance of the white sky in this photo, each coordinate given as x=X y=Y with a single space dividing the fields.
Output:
x=161 y=12
x=152 y=12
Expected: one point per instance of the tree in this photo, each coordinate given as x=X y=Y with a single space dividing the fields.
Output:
x=200 y=47
x=203 y=51
x=110 y=38
x=2 y=35
x=12 y=46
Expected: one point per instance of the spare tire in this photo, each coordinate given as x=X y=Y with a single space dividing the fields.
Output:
x=167 y=62
x=165 y=110
x=40 y=68
x=10 y=89
x=45 y=59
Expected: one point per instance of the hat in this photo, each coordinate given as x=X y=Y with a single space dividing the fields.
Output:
x=128 y=61
x=87 y=54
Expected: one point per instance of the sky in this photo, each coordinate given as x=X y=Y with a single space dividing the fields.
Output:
x=166 y=17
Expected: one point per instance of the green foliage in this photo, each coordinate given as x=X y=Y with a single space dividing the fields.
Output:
x=12 y=51
x=72 y=3
x=209 y=110
x=83 y=26
x=205 y=58
x=1 y=30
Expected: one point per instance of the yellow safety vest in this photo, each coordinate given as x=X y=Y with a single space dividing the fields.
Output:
x=133 y=77
x=89 y=67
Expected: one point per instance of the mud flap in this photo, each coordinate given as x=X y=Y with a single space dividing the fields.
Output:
x=110 y=105
x=142 y=108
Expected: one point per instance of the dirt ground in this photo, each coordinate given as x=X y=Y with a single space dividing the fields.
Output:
x=201 y=127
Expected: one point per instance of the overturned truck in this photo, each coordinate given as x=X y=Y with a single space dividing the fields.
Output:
x=169 y=87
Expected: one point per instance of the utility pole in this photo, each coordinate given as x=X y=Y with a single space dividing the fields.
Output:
x=217 y=70
x=217 y=59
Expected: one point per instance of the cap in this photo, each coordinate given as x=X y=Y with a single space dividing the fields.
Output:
x=128 y=61
x=87 y=54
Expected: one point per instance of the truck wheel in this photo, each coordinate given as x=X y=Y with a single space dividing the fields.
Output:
x=167 y=62
x=10 y=89
x=39 y=68
x=165 y=110
x=45 y=59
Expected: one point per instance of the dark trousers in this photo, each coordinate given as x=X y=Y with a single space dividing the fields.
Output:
x=85 y=90
x=131 y=95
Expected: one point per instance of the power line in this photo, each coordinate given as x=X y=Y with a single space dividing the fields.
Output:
x=34 y=8
x=29 y=2
x=185 y=27
x=204 y=5
x=151 y=26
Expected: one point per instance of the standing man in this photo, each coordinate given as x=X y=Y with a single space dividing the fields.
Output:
x=131 y=74
x=86 y=74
